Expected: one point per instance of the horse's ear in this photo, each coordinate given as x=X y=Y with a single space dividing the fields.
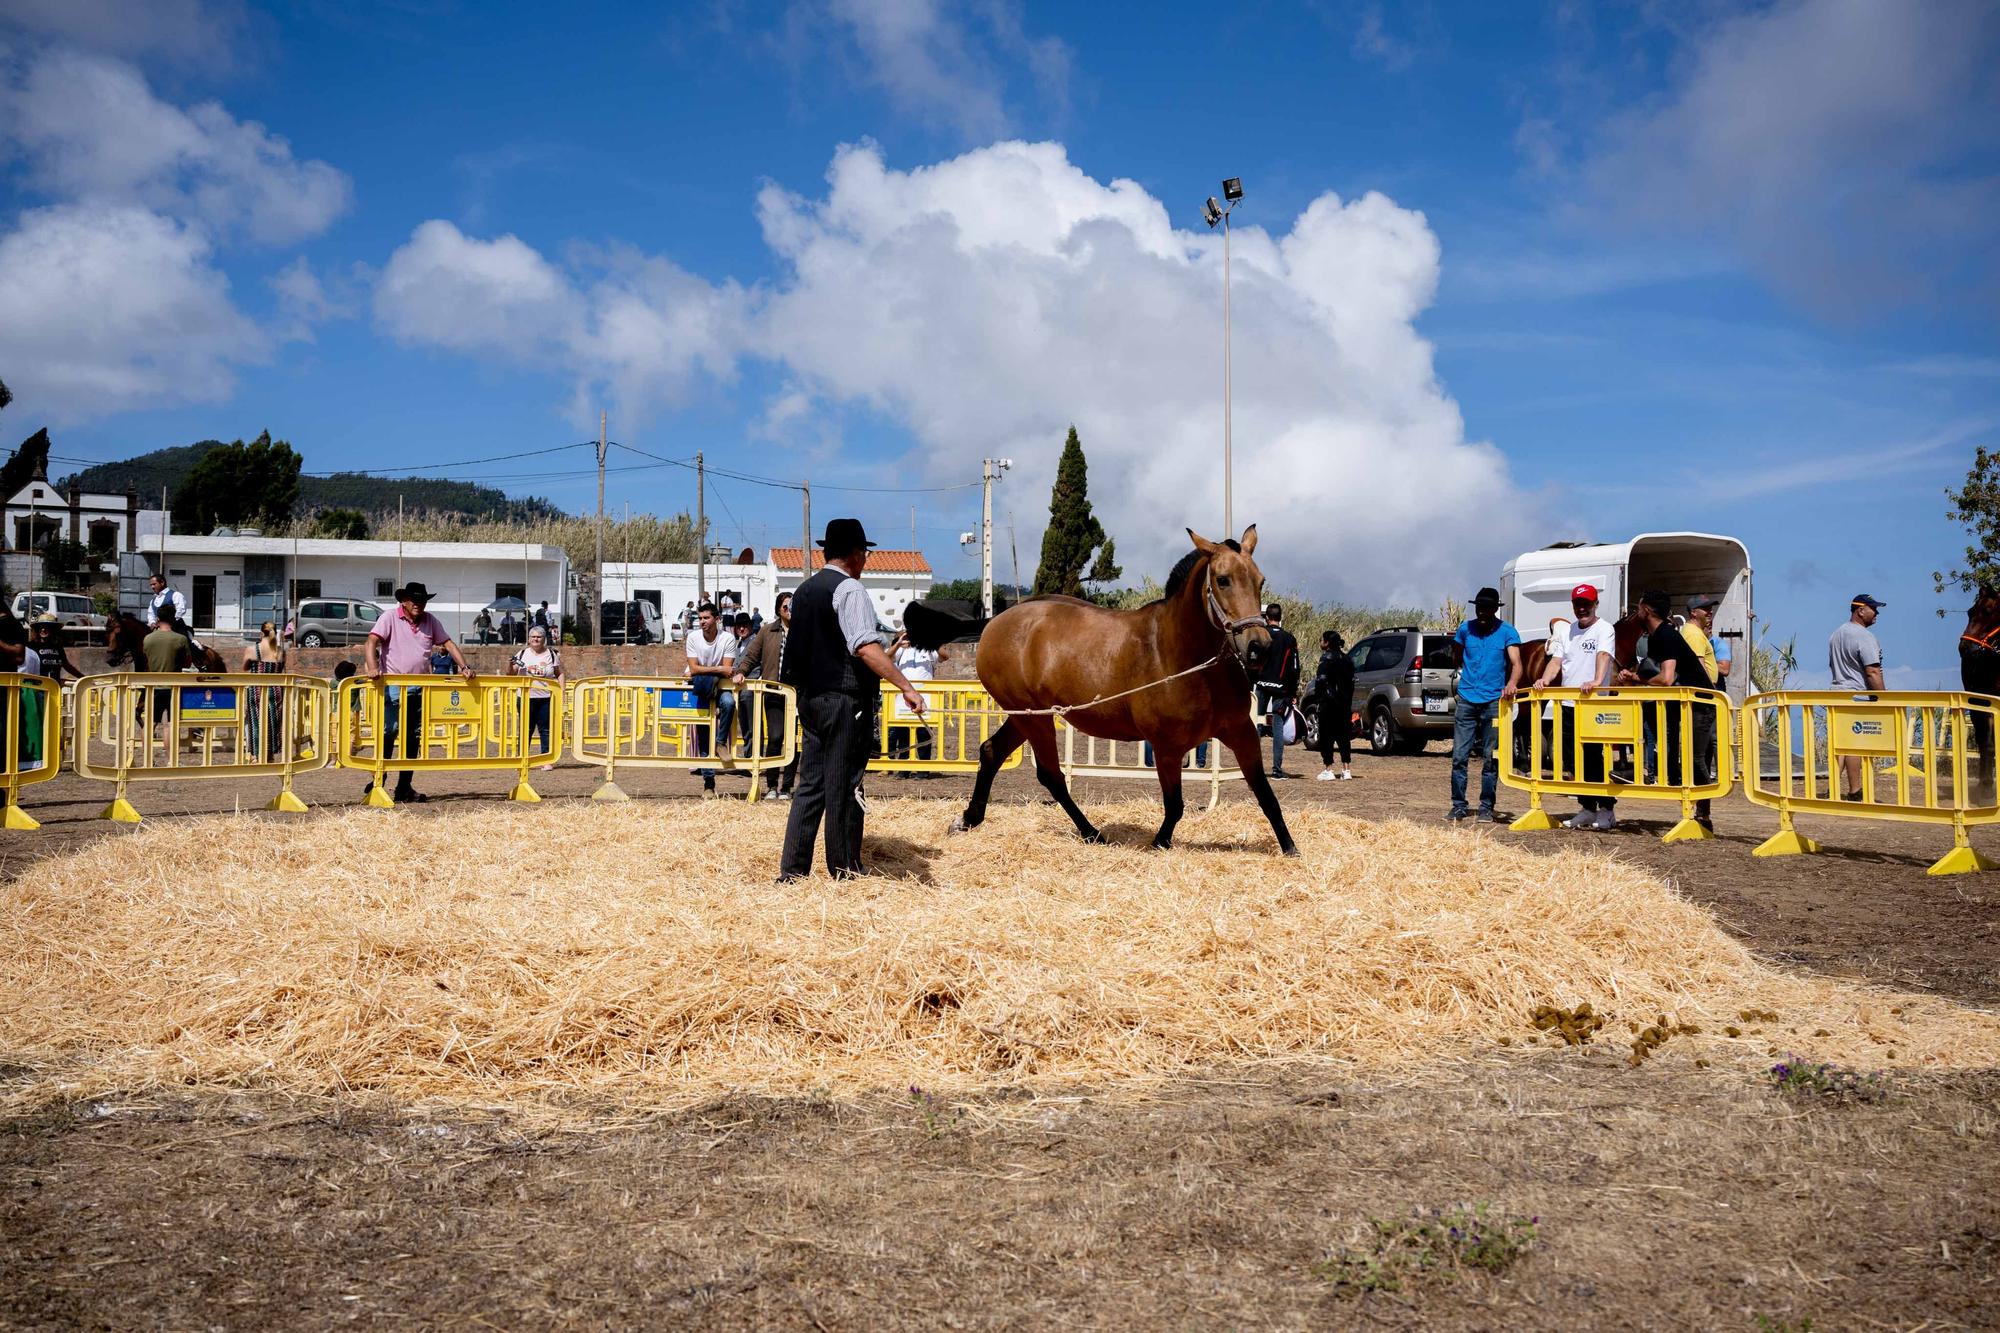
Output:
x=1201 y=543
x=1249 y=542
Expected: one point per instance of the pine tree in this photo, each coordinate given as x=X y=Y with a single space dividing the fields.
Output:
x=1105 y=569
x=1073 y=531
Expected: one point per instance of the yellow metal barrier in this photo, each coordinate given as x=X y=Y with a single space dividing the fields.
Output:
x=1596 y=745
x=1815 y=729
x=31 y=728
x=958 y=718
x=146 y=726
x=657 y=722
x=463 y=726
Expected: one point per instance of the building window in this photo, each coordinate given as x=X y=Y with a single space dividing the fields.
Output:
x=103 y=535
x=502 y=590
x=304 y=588
x=385 y=587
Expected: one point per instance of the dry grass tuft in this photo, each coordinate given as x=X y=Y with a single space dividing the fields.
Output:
x=576 y=956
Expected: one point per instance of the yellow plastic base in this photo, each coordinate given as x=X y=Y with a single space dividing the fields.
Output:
x=1962 y=861
x=523 y=792
x=380 y=799
x=1534 y=821
x=1786 y=842
x=287 y=801
x=610 y=791
x=1688 y=830
x=17 y=818
x=120 y=810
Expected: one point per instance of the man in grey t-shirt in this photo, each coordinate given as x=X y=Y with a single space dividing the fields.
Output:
x=1854 y=660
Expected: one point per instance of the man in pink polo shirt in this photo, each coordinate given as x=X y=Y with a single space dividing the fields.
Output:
x=401 y=644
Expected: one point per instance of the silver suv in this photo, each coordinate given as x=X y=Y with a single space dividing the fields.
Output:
x=324 y=623
x=1405 y=687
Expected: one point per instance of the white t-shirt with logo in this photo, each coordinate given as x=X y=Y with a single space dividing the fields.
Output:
x=916 y=664
x=1580 y=647
x=702 y=652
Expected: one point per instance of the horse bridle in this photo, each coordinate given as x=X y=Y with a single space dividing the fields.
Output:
x=1217 y=617
x=1981 y=640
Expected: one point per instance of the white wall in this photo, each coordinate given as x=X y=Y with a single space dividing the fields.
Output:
x=459 y=588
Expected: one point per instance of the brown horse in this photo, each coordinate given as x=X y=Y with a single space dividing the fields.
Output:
x=1180 y=669
x=1979 y=673
x=124 y=640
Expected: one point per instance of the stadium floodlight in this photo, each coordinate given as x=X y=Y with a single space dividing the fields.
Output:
x=1213 y=214
x=1210 y=211
x=1232 y=189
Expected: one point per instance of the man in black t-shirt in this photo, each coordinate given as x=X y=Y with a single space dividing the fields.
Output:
x=1278 y=684
x=1678 y=666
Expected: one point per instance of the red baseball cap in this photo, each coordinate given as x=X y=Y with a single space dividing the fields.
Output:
x=1583 y=592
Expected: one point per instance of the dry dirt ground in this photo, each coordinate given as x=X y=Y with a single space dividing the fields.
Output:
x=1666 y=1197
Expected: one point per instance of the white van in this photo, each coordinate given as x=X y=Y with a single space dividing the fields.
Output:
x=76 y=611
x=1535 y=586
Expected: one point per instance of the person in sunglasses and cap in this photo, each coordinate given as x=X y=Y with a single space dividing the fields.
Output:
x=1854 y=661
x=832 y=658
x=1489 y=672
x=400 y=643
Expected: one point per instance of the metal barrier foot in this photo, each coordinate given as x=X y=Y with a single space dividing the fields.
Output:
x=1535 y=821
x=610 y=791
x=1688 y=830
x=17 y=818
x=1962 y=861
x=523 y=792
x=379 y=798
x=1786 y=842
x=120 y=810
x=287 y=801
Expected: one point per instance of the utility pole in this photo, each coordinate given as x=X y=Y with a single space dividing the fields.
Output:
x=1014 y=551
x=700 y=530
x=597 y=586
x=1228 y=463
x=806 y=534
x=989 y=472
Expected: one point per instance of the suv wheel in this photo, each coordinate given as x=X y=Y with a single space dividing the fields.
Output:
x=1382 y=735
x=312 y=638
x=1309 y=728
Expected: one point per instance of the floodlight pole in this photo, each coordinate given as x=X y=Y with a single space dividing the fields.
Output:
x=700 y=530
x=1228 y=461
x=597 y=591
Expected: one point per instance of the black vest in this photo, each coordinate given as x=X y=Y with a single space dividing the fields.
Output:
x=816 y=660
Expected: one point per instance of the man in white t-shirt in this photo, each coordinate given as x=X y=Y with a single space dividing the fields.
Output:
x=711 y=658
x=1584 y=657
x=916 y=664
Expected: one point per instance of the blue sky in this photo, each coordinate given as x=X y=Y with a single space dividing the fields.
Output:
x=1504 y=274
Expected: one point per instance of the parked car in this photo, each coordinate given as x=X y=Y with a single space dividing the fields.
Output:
x=1405 y=687
x=332 y=623
x=77 y=613
x=631 y=622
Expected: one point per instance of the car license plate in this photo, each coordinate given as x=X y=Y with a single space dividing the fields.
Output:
x=1437 y=703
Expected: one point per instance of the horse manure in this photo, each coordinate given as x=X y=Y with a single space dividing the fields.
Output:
x=1733 y=1031
x=1571 y=1027
x=1757 y=1016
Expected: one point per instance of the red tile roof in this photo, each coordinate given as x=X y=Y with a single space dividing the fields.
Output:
x=879 y=561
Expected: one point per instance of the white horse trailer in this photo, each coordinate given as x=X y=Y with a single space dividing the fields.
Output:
x=1535 y=586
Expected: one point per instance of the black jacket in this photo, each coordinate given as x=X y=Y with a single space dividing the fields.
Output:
x=1281 y=664
x=1334 y=680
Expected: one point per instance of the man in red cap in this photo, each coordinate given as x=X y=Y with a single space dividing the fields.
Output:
x=1584 y=655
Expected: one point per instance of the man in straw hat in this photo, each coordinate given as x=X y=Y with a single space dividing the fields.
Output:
x=401 y=644
x=832 y=658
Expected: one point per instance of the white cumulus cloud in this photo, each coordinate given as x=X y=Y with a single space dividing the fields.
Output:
x=987 y=302
x=108 y=308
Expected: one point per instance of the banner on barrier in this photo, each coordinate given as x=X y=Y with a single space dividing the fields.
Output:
x=153 y=726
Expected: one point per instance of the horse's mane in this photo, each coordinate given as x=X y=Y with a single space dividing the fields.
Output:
x=1184 y=569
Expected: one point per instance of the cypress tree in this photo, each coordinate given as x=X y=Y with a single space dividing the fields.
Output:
x=1073 y=531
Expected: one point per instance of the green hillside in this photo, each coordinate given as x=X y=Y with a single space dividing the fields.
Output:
x=164 y=468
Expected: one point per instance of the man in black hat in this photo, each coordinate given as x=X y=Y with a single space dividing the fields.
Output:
x=832 y=658
x=400 y=644
x=1489 y=671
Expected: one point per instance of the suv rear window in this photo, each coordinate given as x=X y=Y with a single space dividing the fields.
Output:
x=1385 y=654
x=1440 y=651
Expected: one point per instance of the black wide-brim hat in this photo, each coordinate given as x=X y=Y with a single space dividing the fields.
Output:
x=844 y=535
x=413 y=592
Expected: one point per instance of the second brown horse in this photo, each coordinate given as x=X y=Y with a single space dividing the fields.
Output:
x=1174 y=673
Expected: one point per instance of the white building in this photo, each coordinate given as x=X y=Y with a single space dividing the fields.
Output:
x=40 y=513
x=233 y=582
x=894 y=579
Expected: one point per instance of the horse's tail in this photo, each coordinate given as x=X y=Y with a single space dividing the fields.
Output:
x=933 y=627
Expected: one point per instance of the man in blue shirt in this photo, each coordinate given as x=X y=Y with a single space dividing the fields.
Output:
x=1489 y=671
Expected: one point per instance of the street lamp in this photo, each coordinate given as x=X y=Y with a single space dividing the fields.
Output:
x=1213 y=213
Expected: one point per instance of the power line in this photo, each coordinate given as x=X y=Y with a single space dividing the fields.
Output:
x=468 y=462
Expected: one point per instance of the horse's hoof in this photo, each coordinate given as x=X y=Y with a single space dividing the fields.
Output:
x=1159 y=846
x=958 y=826
x=1292 y=852
x=1096 y=839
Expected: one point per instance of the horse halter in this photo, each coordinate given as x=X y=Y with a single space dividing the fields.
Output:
x=1220 y=619
x=1982 y=640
